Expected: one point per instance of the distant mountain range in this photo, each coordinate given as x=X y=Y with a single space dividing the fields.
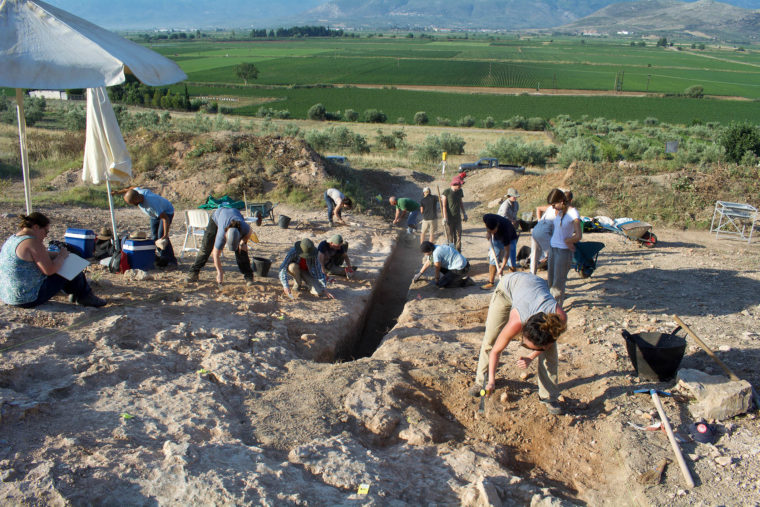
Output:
x=704 y=18
x=707 y=17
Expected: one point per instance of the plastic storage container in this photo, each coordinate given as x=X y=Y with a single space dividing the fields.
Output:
x=141 y=253
x=83 y=241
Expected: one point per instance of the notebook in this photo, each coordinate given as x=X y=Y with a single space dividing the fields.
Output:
x=72 y=266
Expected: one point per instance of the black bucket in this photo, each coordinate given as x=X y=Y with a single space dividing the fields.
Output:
x=655 y=356
x=284 y=221
x=261 y=266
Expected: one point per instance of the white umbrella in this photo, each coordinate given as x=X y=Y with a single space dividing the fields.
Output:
x=105 y=152
x=44 y=47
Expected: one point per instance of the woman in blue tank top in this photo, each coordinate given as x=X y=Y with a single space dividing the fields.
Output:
x=28 y=272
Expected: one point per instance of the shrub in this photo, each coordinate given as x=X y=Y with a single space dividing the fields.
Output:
x=516 y=122
x=738 y=139
x=317 y=112
x=535 y=124
x=516 y=151
x=75 y=118
x=430 y=150
x=749 y=159
x=444 y=122
x=694 y=92
x=421 y=118
x=337 y=138
x=291 y=130
x=489 y=122
x=395 y=140
x=579 y=148
x=466 y=121
x=374 y=116
x=350 y=115
x=651 y=121
x=401 y=120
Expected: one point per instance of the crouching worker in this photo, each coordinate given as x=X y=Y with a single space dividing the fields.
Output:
x=451 y=267
x=523 y=304
x=501 y=235
x=332 y=254
x=301 y=263
x=226 y=229
x=28 y=272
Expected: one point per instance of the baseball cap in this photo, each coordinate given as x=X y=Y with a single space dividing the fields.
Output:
x=456 y=181
x=511 y=192
x=336 y=239
x=232 y=237
x=702 y=432
x=305 y=248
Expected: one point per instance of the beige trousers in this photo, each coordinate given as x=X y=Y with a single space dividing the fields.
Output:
x=498 y=316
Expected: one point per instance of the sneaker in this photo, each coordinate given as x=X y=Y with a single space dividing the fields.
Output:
x=331 y=223
x=551 y=406
x=249 y=282
x=409 y=230
x=487 y=286
x=192 y=277
x=91 y=300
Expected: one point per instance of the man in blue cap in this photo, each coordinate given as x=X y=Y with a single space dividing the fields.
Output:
x=226 y=229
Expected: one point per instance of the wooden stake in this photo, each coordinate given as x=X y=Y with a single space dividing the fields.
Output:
x=672 y=438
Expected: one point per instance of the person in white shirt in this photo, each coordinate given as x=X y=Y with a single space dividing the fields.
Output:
x=567 y=232
x=336 y=203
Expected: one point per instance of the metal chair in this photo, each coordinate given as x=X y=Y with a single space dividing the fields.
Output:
x=196 y=221
x=734 y=219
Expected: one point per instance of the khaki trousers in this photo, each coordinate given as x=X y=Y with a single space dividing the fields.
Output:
x=498 y=316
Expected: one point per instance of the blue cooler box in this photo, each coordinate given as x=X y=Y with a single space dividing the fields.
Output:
x=140 y=252
x=83 y=241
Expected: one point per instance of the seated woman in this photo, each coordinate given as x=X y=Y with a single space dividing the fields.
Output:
x=28 y=271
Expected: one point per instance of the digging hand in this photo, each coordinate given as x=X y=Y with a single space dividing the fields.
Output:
x=524 y=362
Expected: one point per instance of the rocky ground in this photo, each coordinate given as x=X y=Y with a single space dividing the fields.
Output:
x=176 y=394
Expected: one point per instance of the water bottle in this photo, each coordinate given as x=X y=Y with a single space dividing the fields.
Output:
x=53 y=248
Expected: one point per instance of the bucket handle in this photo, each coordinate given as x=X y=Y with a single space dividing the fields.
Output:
x=676 y=330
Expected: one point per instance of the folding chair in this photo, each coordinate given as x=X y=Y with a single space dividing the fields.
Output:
x=734 y=218
x=196 y=221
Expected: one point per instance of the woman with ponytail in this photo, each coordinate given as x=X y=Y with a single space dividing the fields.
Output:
x=523 y=305
x=567 y=232
x=28 y=272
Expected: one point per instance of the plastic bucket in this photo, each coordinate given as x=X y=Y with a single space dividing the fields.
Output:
x=261 y=266
x=655 y=356
x=284 y=222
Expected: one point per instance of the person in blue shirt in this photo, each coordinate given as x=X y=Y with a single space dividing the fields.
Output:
x=228 y=229
x=501 y=235
x=301 y=264
x=451 y=267
x=332 y=254
x=161 y=213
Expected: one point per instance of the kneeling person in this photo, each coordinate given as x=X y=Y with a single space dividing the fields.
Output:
x=301 y=263
x=451 y=267
x=332 y=253
x=226 y=228
x=523 y=304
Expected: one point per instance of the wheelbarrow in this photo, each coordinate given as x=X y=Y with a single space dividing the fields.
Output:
x=634 y=230
x=264 y=209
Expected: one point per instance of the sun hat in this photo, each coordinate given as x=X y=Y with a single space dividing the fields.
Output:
x=105 y=233
x=162 y=243
x=138 y=235
x=305 y=248
x=232 y=237
x=511 y=192
x=336 y=239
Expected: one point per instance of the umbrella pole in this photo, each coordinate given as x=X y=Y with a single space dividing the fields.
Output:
x=113 y=215
x=22 y=145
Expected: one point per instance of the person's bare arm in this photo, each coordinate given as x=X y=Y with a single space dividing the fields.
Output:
x=508 y=332
x=576 y=236
x=32 y=249
x=122 y=191
x=216 y=254
x=165 y=225
x=437 y=271
x=444 y=209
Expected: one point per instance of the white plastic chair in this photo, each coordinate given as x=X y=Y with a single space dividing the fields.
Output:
x=196 y=221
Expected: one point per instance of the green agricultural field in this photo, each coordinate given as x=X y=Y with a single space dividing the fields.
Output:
x=539 y=65
x=404 y=103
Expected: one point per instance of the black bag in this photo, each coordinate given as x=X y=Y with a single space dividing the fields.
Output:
x=103 y=248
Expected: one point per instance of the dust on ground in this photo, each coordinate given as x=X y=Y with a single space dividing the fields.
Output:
x=199 y=394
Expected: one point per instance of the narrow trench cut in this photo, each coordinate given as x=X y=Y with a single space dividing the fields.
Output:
x=388 y=298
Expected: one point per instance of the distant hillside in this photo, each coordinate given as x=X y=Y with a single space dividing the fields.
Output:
x=704 y=18
x=698 y=16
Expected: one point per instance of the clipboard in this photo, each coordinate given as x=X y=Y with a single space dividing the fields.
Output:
x=72 y=266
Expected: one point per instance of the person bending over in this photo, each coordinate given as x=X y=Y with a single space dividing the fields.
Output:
x=523 y=305
x=301 y=264
x=332 y=253
x=336 y=203
x=161 y=214
x=29 y=272
x=500 y=235
x=226 y=229
x=451 y=267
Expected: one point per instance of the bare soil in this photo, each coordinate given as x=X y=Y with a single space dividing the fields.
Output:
x=177 y=394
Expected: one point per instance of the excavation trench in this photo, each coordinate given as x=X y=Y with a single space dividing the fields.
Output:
x=387 y=300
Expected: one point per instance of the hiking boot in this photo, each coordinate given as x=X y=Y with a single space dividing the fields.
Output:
x=91 y=300
x=487 y=286
x=192 y=277
x=552 y=406
x=512 y=269
x=474 y=390
x=331 y=223
x=249 y=282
